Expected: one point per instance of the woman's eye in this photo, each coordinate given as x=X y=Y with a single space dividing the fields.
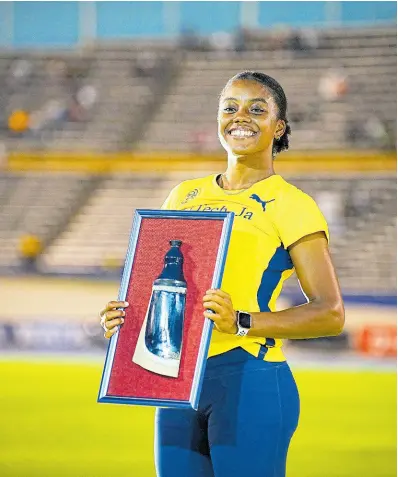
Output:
x=258 y=110
x=229 y=109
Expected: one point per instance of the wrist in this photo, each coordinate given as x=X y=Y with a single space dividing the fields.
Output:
x=244 y=322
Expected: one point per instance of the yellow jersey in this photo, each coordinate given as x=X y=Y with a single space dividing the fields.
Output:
x=270 y=216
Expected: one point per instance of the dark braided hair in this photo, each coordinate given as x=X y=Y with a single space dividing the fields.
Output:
x=279 y=96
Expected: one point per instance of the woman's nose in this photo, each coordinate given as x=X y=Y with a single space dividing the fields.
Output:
x=242 y=118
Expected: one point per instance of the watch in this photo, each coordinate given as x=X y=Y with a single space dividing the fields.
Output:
x=244 y=322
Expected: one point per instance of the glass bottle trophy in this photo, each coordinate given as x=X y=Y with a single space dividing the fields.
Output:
x=160 y=341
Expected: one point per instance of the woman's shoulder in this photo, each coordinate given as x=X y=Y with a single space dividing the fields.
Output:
x=288 y=197
x=286 y=186
x=196 y=183
x=188 y=189
x=290 y=191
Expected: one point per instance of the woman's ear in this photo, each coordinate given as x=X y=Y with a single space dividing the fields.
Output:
x=280 y=129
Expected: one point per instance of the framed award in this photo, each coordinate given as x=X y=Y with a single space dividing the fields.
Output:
x=158 y=356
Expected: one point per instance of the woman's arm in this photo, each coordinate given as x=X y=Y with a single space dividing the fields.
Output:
x=322 y=316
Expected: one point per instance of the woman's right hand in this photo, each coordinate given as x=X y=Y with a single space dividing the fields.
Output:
x=111 y=317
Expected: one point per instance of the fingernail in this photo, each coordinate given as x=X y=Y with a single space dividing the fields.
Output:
x=126 y=303
x=122 y=320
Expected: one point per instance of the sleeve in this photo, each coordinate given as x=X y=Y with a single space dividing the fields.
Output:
x=172 y=199
x=299 y=215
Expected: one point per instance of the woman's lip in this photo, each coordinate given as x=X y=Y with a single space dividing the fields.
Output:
x=241 y=129
x=254 y=133
x=239 y=138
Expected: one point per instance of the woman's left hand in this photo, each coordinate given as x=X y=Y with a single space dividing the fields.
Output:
x=222 y=312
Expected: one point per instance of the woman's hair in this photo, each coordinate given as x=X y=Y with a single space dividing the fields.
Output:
x=279 y=96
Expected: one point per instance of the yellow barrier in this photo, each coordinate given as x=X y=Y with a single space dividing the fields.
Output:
x=128 y=161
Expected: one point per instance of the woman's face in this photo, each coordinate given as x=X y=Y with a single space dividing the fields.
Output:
x=248 y=118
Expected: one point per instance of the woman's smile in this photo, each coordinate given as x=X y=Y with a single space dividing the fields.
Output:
x=241 y=132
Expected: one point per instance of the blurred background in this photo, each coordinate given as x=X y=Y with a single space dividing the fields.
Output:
x=104 y=107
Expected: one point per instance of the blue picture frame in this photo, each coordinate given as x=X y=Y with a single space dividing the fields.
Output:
x=227 y=218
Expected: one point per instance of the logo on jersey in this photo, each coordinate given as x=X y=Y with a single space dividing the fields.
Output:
x=260 y=201
x=191 y=195
x=244 y=213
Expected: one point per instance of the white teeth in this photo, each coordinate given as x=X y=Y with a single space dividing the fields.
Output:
x=242 y=133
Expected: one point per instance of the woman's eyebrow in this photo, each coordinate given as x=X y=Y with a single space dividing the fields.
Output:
x=253 y=100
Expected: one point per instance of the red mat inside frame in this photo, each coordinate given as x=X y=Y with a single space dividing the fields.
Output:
x=200 y=247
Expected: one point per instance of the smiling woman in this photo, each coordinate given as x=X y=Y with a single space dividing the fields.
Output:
x=249 y=406
x=264 y=111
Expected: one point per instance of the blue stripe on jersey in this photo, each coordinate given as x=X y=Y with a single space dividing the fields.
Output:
x=280 y=262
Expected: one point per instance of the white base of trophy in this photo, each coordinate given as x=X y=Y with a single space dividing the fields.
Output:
x=144 y=358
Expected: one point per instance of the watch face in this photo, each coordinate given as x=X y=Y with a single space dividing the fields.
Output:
x=245 y=319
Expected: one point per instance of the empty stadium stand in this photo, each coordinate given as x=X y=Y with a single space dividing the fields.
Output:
x=98 y=235
x=364 y=116
x=362 y=216
x=361 y=212
x=96 y=99
x=38 y=204
x=157 y=97
x=154 y=96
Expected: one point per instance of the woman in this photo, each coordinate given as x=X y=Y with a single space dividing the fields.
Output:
x=249 y=405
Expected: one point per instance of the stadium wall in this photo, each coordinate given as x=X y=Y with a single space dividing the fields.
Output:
x=59 y=314
x=72 y=298
x=68 y=24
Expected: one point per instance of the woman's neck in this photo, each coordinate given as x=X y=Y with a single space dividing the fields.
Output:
x=241 y=175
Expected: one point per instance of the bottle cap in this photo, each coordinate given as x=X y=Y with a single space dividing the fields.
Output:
x=175 y=243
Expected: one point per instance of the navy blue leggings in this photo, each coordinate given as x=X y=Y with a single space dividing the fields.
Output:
x=248 y=412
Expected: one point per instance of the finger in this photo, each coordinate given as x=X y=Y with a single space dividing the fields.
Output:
x=110 y=315
x=109 y=325
x=212 y=316
x=220 y=293
x=226 y=305
x=214 y=298
x=114 y=304
x=109 y=333
x=212 y=305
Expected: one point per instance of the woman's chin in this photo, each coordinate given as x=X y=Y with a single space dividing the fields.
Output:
x=241 y=148
x=242 y=151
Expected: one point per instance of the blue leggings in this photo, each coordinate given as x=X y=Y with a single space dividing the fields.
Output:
x=248 y=412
